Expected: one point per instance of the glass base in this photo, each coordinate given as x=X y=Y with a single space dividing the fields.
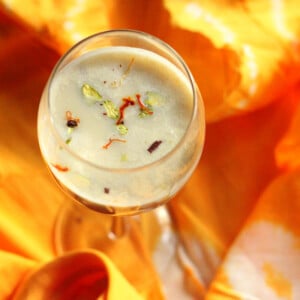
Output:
x=145 y=242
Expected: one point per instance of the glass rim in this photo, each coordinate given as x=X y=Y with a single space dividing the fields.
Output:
x=170 y=50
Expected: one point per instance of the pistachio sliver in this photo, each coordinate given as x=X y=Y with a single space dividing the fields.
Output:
x=122 y=129
x=68 y=140
x=144 y=113
x=90 y=93
x=124 y=157
x=111 y=110
x=154 y=98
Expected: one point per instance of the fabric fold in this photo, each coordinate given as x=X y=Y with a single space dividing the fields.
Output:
x=263 y=262
x=76 y=275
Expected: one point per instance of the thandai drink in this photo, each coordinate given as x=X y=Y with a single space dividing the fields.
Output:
x=115 y=135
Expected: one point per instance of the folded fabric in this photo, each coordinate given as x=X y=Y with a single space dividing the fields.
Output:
x=263 y=262
x=85 y=274
x=253 y=51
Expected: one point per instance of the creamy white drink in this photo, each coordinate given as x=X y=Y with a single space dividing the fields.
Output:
x=114 y=110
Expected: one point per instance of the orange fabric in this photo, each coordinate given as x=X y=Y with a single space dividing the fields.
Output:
x=85 y=274
x=239 y=213
x=264 y=259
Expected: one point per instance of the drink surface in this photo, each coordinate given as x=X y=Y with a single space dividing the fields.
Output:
x=106 y=116
x=120 y=107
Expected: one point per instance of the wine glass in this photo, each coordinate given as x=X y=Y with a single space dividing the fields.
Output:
x=121 y=128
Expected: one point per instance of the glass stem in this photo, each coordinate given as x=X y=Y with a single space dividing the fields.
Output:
x=119 y=227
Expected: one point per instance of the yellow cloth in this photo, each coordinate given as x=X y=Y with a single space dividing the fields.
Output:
x=239 y=213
